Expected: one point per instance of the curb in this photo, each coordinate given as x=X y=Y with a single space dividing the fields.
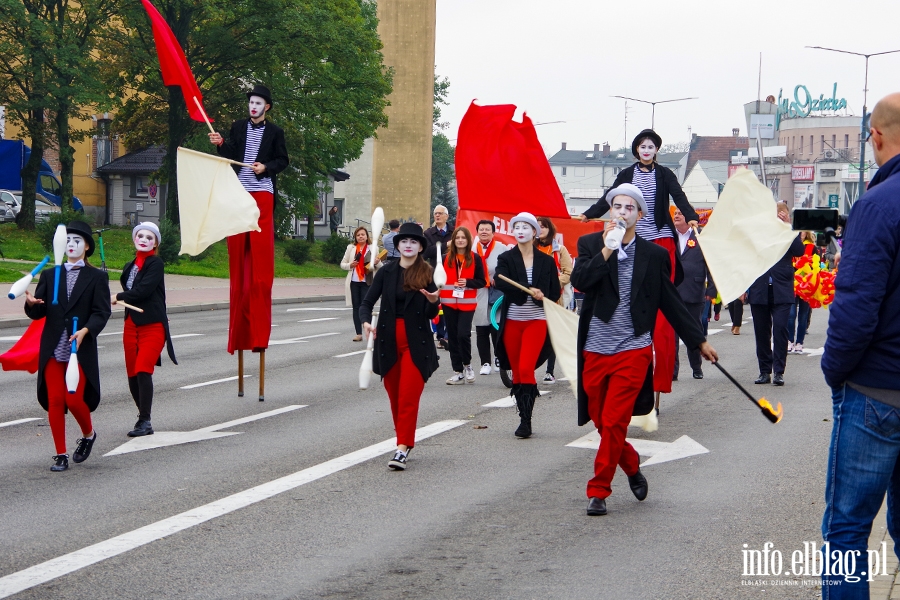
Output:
x=186 y=308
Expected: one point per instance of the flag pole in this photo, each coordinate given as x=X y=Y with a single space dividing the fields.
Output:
x=516 y=284
x=203 y=112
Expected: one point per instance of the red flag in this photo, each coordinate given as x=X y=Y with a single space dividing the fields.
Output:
x=23 y=356
x=173 y=64
x=501 y=167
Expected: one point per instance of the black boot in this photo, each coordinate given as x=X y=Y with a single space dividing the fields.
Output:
x=145 y=387
x=525 y=404
x=135 y=393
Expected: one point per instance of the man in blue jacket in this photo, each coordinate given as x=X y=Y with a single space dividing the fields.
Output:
x=861 y=363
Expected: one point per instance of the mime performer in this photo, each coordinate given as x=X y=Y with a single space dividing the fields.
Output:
x=251 y=255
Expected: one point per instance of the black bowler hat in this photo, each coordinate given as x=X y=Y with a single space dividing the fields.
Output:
x=411 y=231
x=647 y=133
x=263 y=92
x=84 y=230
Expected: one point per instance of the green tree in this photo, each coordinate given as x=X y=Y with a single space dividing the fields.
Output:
x=443 y=175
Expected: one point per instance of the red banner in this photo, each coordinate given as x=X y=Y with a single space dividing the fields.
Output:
x=567 y=230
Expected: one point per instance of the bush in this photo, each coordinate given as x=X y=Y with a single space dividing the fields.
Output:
x=333 y=249
x=47 y=229
x=298 y=251
x=171 y=242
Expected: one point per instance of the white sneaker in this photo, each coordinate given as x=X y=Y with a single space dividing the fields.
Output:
x=456 y=379
x=548 y=378
x=485 y=369
x=798 y=348
x=790 y=347
x=470 y=374
x=496 y=365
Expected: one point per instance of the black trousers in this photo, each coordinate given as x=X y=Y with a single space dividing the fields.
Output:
x=736 y=311
x=695 y=359
x=459 y=336
x=358 y=291
x=484 y=336
x=771 y=320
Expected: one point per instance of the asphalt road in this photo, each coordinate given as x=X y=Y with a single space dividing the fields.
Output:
x=478 y=513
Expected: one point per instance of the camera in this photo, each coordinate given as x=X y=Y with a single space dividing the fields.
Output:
x=823 y=221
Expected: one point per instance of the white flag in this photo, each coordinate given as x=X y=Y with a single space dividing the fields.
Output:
x=562 y=326
x=744 y=237
x=212 y=202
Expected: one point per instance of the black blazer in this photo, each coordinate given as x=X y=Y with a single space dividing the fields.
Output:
x=544 y=276
x=148 y=291
x=272 y=149
x=782 y=274
x=651 y=291
x=417 y=315
x=90 y=303
x=697 y=283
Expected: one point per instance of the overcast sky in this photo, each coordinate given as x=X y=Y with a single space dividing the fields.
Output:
x=561 y=60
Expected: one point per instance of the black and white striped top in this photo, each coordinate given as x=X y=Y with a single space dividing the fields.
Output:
x=646 y=227
x=246 y=175
x=64 y=347
x=528 y=311
x=618 y=335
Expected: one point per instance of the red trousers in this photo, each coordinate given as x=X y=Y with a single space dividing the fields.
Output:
x=665 y=344
x=404 y=385
x=143 y=345
x=612 y=383
x=251 y=267
x=523 y=341
x=59 y=398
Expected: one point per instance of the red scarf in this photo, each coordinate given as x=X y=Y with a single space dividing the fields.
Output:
x=141 y=257
x=361 y=265
x=484 y=254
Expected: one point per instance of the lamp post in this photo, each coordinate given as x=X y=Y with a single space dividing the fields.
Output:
x=865 y=117
x=653 y=104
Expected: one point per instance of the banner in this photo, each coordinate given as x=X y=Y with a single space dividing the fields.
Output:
x=567 y=230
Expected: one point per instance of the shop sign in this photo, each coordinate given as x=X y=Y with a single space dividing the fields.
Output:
x=803 y=173
x=833 y=200
x=804 y=104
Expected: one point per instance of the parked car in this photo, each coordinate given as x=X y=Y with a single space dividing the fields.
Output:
x=42 y=209
x=11 y=200
x=6 y=213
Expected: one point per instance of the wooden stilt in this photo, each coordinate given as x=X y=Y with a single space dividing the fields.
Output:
x=262 y=375
x=240 y=373
x=657 y=402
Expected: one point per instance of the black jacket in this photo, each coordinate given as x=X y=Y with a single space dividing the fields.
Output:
x=272 y=149
x=90 y=303
x=417 y=315
x=544 y=276
x=433 y=238
x=148 y=292
x=782 y=274
x=651 y=291
x=697 y=284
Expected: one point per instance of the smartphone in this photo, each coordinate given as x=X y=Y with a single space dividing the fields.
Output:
x=814 y=219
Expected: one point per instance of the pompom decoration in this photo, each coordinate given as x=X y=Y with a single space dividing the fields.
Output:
x=813 y=283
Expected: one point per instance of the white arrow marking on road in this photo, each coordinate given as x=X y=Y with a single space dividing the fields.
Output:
x=319 y=308
x=18 y=421
x=814 y=351
x=79 y=559
x=319 y=319
x=299 y=340
x=508 y=401
x=349 y=354
x=659 y=452
x=214 y=381
x=173 y=438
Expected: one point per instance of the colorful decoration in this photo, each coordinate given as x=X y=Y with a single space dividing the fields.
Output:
x=691 y=243
x=813 y=283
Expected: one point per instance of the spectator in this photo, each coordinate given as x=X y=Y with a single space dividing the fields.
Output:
x=334 y=220
x=438 y=233
x=799 y=319
x=736 y=312
x=861 y=363
x=358 y=259
x=488 y=249
x=459 y=297
x=388 y=241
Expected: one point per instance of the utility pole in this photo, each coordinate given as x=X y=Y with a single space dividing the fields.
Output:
x=653 y=104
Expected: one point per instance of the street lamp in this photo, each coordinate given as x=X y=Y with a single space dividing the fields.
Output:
x=653 y=104
x=865 y=117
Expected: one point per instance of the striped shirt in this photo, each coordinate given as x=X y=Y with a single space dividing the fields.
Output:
x=528 y=311
x=646 y=227
x=131 y=277
x=64 y=347
x=251 y=151
x=618 y=335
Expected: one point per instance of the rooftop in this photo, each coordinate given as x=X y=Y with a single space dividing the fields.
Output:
x=146 y=161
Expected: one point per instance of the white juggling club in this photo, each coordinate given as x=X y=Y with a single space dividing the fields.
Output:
x=59 y=251
x=72 y=375
x=365 y=369
x=440 y=275
x=377 y=226
x=19 y=287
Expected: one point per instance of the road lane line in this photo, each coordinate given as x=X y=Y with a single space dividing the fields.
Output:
x=242 y=420
x=110 y=333
x=214 y=381
x=317 y=320
x=79 y=559
x=10 y=338
x=349 y=354
x=509 y=401
x=184 y=335
x=297 y=340
x=319 y=308
x=18 y=421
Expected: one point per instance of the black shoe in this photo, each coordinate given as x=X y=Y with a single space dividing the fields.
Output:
x=698 y=374
x=596 y=507
x=763 y=378
x=778 y=380
x=525 y=396
x=83 y=450
x=443 y=344
x=398 y=463
x=674 y=376
x=638 y=484
x=62 y=462
x=141 y=428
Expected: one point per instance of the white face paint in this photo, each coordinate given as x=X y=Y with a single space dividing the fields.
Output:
x=144 y=240
x=625 y=208
x=256 y=106
x=523 y=232
x=408 y=247
x=646 y=151
x=75 y=247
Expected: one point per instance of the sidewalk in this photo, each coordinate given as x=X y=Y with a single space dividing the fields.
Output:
x=190 y=294
x=884 y=587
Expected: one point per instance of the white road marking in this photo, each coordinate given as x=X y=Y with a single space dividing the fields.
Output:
x=161 y=439
x=12 y=338
x=298 y=340
x=319 y=308
x=111 y=333
x=18 y=421
x=349 y=354
x=814 y=351
x=319 y=319
x=730 y=325
x=214 y=381
x=715 y=331
x=79 y=559
x=659 y=452
x=508 y=401
x=184 y=335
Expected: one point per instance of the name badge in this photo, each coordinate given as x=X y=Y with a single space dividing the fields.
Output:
x=458 y=292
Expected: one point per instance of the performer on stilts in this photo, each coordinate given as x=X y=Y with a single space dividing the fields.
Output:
x=145 y=332
x=624 y=288
x=251 y=256
x=404 y=355
x=656 y=183
x=524 y=343
x=80 y=314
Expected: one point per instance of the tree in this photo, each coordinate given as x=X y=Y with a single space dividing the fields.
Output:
x=443 y=174
x=441 y=89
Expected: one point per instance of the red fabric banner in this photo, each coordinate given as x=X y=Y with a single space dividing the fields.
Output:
x=501 y=167
x=567 y=230
x=173 y=64
x=24 y=355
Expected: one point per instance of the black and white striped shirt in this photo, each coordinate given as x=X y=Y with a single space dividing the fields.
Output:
x=618 y=335
x=528 y=311
x=251 y=151
x=64 y=347
x=646 y=227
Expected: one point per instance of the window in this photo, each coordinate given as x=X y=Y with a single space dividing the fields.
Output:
x=50 y=184
x=828 y=172
x=801 y=144
x=139 y=186
x=810 y=144
x=823 y=143
x=834 y=142
x=104 y=144
x=563 y=171
x=846 y=140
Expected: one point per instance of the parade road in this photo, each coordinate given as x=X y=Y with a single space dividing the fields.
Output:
x=292 y=497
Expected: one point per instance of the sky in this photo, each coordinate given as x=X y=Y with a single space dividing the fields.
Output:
x=561 y=60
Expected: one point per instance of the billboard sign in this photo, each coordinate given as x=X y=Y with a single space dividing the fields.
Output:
x=764 y=124
x=803 y=173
